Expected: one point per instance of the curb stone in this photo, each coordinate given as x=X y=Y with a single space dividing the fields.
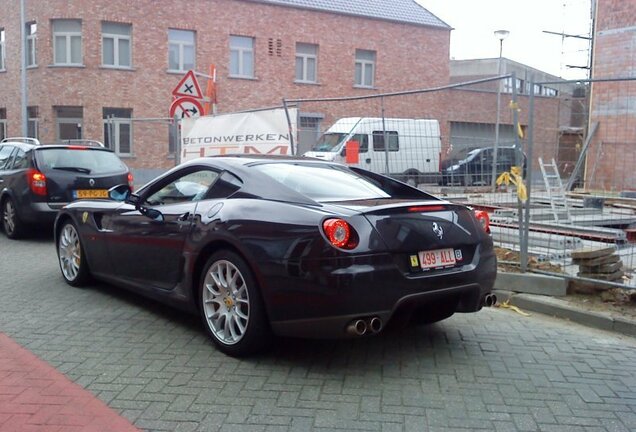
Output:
x=562 y=309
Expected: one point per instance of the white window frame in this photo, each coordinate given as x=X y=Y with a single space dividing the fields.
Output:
x=35 y=120
x=305 y=64
x=241 y=51
x=115 y=143
x=363 y=63
x=3 y=128
x=31 y=50
x=181 y=45
x=116 y=39
x=68 y=35
x=78 y=121
x=3 y=60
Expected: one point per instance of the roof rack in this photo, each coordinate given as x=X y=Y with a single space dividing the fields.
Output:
x=86 y=142
x=25 y=140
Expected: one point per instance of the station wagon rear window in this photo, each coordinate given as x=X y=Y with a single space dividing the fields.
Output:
x=82 y=160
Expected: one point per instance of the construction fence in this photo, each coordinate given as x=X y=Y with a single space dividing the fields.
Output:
x=552 y=162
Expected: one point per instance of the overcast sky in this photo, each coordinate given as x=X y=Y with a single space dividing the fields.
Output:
x=475 y=21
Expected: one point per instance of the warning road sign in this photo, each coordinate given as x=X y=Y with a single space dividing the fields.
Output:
x=185 y=107
x=188 y=86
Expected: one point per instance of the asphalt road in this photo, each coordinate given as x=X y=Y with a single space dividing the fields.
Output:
x=493 y=370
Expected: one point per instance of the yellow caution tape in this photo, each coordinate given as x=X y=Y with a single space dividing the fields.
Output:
x=507 y=305
x=514 y=177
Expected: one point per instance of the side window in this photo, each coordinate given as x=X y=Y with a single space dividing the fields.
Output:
x=189 y=187
x=225 y=186
x=20 y=160
x=378 y=140
x=363 y=141
x=5 y=156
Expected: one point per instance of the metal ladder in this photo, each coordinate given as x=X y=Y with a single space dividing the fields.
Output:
x=556 y=191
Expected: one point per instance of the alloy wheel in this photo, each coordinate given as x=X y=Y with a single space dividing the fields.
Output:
x=70 y=252
x=226 y=303
x=9 y=216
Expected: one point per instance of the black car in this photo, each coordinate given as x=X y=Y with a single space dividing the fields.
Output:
x=473 y=166
x=36 y=180
x=284 y=246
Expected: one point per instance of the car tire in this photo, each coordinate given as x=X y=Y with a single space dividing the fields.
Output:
x=71 y=256
x=11 y=224
x=231 y=306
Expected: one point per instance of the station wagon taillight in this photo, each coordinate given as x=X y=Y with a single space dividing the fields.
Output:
x=37 y=182
x=340 y=234
x=131 y=181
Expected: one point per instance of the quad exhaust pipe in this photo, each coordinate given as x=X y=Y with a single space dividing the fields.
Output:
x=362 y=326
x=490 y=300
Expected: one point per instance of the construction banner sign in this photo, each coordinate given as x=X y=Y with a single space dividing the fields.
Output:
x=255 y=132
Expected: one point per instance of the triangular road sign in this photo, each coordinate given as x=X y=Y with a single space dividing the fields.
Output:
x=188 y=86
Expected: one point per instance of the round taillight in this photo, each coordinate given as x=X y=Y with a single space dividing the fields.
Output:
x=339 y=233
x=484 y=220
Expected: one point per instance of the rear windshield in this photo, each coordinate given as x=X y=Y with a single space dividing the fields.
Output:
x=83 y=160
x=322 y=182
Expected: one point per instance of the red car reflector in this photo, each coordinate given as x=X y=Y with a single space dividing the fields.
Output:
x=37 y=182
x=483 y=219
x=340 y=233
x=131 y=181
x=430 y=208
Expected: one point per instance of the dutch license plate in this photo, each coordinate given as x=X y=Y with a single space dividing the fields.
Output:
x=437 y=258
x=90 y=193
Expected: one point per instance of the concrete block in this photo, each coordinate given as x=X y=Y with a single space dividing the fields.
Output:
x=531 y=283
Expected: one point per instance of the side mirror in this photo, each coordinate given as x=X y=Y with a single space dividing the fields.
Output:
x=153 y=214
x=119 y=193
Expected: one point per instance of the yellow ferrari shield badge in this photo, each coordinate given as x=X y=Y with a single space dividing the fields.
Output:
x=84 y=217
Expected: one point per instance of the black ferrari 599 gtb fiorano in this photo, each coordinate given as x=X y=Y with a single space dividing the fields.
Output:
x=264 y=246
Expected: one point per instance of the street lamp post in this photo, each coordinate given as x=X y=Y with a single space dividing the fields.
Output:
x=501 y=35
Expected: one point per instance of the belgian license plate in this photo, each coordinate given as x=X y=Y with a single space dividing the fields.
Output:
x=438 y=258
x=90 y=193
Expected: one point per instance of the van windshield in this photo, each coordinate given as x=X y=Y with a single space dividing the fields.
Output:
x=328 y=142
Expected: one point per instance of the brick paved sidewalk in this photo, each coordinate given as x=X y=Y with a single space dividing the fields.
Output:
x=36 y=397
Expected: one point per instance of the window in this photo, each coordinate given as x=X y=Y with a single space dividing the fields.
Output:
x=67 y=42
x=68 y=122
x=116 y=45
x=363 y=142
x=2 y=56
x=306 y=58
x=187 y=188
x=378 y=140
x=20 y=160
x=322 y=182
x=180 y=50
x=3 y=123
x=33 y=122
x=241 y=57
x=5 y=155
x=31 y=30
x=118 y=130
x=365 y=68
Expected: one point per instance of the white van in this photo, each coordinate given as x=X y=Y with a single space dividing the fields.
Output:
x=412 y=155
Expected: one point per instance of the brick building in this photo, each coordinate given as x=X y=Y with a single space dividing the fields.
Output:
x=92 y=60
x=611 y=157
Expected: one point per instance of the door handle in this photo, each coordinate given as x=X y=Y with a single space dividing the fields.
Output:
x=368 y=160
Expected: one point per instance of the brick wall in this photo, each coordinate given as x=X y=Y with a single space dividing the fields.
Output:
x=611 y=156
x=408 y=57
